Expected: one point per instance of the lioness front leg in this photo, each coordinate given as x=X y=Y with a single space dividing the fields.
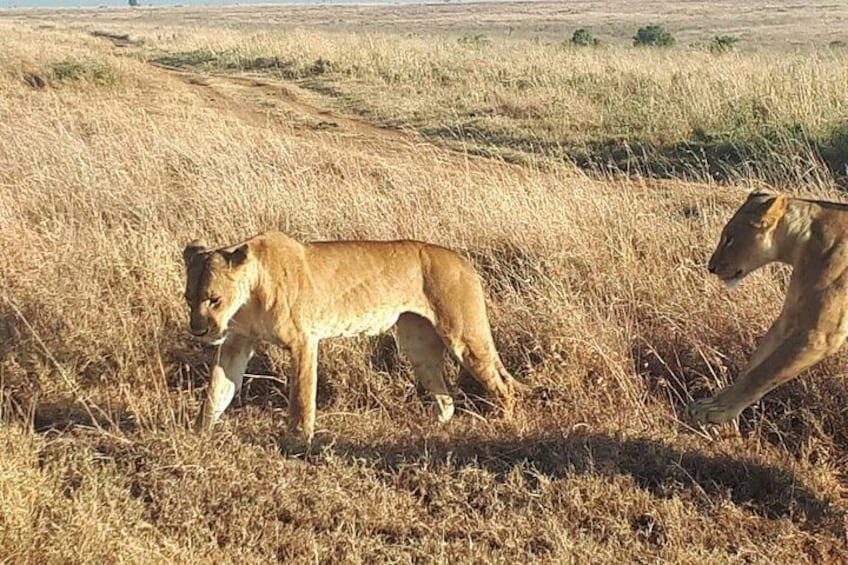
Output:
x=773 y=338
x=225 y=378
x=303 y=388
x=799 y=351
x=722 y=405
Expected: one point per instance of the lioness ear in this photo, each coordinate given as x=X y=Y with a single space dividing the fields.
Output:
x=773 y=213
x=193 y=249
x=237 y=256
x=761 y=192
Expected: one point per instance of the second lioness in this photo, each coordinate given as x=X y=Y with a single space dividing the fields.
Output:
x=812 y=237
x=273 y=288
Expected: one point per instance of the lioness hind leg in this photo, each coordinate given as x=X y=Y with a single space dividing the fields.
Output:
x=418 y=340
x=479 y=356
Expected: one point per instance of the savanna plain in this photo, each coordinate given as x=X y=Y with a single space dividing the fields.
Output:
x=587 y=184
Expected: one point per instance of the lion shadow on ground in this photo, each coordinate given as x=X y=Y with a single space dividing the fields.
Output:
x=655 y=467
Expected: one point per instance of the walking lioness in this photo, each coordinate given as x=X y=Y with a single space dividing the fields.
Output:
x=812 y=236
x=273 y=288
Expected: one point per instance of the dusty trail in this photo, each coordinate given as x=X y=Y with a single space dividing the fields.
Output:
x=264 y=101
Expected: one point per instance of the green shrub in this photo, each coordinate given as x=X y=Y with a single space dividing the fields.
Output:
x=653 y=35
x=474 y=40
x=722 y=43
x=584 y=37
x=198 y=58
x=71 y=69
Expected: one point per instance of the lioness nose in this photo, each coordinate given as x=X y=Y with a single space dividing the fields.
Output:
x=198 y=332
x=711 y=265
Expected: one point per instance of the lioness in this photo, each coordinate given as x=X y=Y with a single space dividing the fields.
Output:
x=273 y=288
x=812 y=236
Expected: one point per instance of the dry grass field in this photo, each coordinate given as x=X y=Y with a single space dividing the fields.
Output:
x=115 y=152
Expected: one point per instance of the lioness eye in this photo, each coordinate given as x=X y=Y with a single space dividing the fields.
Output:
x=214 y=302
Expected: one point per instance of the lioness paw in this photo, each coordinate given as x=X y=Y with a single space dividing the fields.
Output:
x=711 y=411
x=301 y=431
x=444 y=408
x=207 y=418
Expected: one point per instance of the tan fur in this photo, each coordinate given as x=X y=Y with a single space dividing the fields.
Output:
x=273 y=288
x=812 y=236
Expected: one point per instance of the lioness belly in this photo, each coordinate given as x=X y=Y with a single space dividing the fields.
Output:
x=370 y=323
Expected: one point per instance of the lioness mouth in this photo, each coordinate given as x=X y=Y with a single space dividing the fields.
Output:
x=737 y=276
x=733 y=282
x=219 y=340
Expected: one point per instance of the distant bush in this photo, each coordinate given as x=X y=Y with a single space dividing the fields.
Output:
x=722 y=43
x=197 y=58
x=474 y=40
x=653 y=35
x=584 y=37
x=71 y=69
x=133 y=3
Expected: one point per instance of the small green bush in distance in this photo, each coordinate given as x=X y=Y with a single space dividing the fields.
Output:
x=722 y=43
x=653 y=35
x=71 y=69
x=584 y=37
x=474 y=40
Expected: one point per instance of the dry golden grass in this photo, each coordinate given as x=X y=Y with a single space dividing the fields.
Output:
x=598 y=296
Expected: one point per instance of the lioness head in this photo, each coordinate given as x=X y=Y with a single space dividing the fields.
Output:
x=216 y=287
x=747 y=241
